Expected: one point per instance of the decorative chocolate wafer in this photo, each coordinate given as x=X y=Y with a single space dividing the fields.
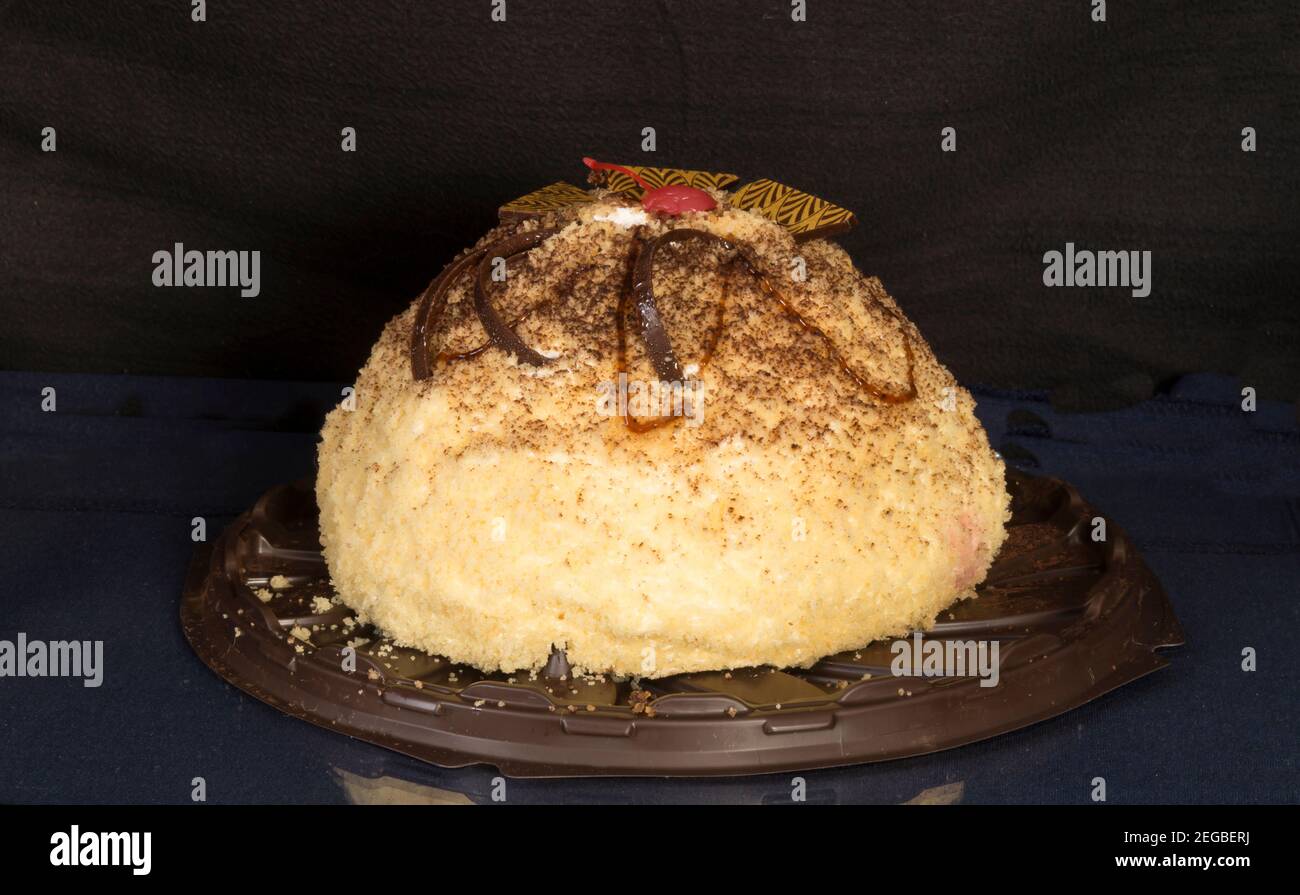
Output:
x=804 y=215
x=660 y=177
x=1074 y=618
x=807 y=217
x=549 y=198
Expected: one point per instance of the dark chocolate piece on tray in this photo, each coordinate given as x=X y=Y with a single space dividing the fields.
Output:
x=1074 y=619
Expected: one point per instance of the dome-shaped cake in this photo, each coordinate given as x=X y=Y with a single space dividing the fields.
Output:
x=662 y=442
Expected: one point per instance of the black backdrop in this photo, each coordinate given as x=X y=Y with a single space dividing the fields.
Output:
x=226 y=135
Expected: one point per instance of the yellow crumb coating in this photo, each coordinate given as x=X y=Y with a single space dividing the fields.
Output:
x=497 y=509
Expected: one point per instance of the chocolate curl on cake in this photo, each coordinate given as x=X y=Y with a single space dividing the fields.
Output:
x=501 y=333
x=432 y=305
x=658 y=344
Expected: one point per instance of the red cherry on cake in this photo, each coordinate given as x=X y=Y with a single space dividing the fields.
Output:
x=676 y=198
x=672 y=200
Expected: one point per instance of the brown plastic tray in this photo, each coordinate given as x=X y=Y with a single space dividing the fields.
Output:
x=1074 y=619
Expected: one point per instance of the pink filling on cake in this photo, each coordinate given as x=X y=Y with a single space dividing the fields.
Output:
x=972 y=551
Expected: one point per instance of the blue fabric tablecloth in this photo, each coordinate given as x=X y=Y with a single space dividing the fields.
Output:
x=96 y=502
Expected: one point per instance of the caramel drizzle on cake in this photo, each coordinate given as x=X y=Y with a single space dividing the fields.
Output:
x=659 y=345
x=639 y=289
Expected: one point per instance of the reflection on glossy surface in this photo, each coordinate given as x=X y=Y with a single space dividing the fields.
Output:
x=394 y=791
x=375 y=777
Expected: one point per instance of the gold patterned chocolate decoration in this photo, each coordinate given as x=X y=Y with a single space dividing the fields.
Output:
x=803 y=215
x=657 y=177
x=539 y=202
